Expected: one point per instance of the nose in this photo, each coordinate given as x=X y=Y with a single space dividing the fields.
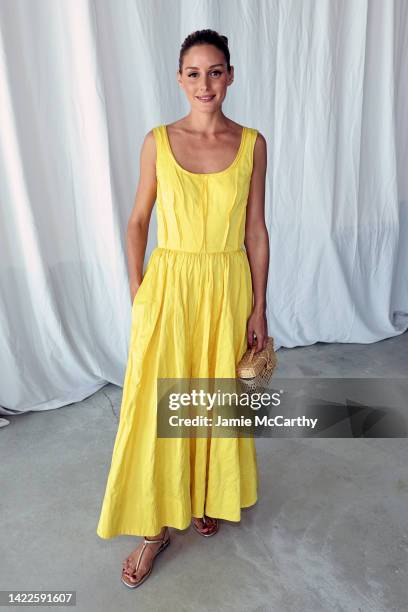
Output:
x=203 y=84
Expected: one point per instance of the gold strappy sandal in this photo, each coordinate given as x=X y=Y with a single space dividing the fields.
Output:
x=204 y=519
x=164 y=543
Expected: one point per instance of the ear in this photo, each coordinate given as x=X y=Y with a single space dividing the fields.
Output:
x=230 y=76
x=178 y=77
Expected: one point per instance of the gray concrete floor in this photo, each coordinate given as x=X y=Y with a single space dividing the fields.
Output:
x=328 y=533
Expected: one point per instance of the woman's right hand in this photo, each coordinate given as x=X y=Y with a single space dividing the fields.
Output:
x=133 y=291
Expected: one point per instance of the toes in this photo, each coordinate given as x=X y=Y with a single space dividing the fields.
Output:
x=211 y=525
x=129 y=573
x=127 y=566
x=132 y=577
x=207 y=526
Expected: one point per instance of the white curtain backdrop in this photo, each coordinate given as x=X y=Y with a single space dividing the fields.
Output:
x=82 y=81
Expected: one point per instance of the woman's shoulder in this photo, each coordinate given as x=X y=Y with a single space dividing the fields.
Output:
x=258 y=137
x=153 y=131
x=154 y=136
x=253 y=130
x=151 y=142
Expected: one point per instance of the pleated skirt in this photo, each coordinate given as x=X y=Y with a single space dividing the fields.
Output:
x=188 y=321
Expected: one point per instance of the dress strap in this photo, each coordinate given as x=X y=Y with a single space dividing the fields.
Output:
x=162 y=155
x=158 y=133
x=248 y=152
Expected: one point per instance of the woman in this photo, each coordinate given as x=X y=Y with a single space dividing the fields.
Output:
x=200 y=304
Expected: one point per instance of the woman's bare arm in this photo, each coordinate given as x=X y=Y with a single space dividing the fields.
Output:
x=257 y=245
x=138 y=225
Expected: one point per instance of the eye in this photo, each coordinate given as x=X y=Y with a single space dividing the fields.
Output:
x=216 y=72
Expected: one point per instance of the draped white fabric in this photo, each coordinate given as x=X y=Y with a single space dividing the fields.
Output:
x=83 y=81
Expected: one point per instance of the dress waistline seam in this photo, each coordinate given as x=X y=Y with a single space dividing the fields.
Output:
x=199 y=252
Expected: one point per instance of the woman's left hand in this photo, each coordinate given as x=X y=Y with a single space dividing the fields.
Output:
x=257 y=325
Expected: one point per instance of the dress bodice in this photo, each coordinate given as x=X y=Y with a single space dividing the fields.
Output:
x=202 y=212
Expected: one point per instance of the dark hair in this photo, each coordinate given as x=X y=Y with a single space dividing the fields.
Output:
x=205 y=37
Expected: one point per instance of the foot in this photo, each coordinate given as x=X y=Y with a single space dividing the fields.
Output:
x=129 y=573
x=206 y=525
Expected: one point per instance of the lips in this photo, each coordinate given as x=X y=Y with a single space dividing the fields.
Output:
x=205 y=98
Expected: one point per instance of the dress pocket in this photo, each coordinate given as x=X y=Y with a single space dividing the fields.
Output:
x=144 y=309
x=140 y=319
x=143 y=294
x=143 y=337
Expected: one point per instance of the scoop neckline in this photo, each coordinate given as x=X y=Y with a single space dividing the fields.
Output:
x=234 y=162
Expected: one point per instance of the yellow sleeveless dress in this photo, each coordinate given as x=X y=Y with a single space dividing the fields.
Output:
x=189 y=320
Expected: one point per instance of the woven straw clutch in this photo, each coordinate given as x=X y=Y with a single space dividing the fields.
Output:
x=257 y=366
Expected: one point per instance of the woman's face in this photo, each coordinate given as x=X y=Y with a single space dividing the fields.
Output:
x=205 y=75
